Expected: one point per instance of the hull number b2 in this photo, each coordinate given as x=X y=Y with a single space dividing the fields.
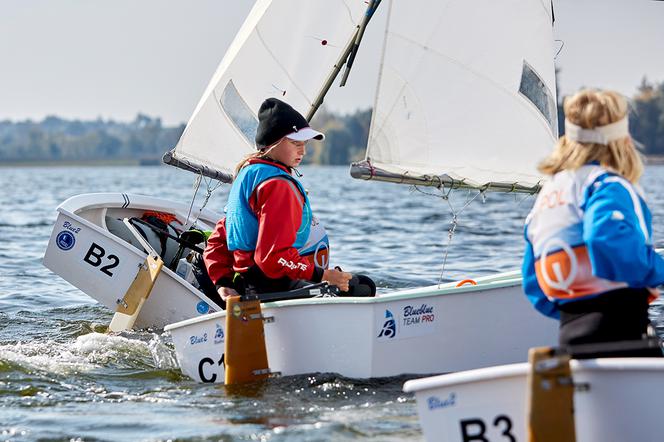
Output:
x=96 y=256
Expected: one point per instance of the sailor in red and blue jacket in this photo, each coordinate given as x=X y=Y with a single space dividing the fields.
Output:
x=269 y=235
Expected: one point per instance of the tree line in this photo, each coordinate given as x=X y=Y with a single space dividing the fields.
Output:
x=57 y=139
x=647 y=117
x=145 y=139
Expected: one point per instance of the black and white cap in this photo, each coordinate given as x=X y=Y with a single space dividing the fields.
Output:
x=277 y=119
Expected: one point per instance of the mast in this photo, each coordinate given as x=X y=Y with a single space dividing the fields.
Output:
x=347 y=57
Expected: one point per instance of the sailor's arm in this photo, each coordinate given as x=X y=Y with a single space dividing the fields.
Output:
x=279 y=211
x=532 y=288
x=616 y=232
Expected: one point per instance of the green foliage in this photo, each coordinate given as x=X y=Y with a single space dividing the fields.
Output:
x=647 y=118
x=345 y=137
x=63 y=140
x=145 y=139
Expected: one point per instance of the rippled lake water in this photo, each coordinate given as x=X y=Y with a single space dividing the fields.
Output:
x=62 y=378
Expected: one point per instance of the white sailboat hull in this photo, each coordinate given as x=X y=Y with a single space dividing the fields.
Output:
x=619 y=401
x=433 y=330
x=419 y=331
x=103 y=265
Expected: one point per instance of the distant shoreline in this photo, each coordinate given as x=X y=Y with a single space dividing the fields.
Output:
x=81 y=163
x=651 y=160
x=654 y=160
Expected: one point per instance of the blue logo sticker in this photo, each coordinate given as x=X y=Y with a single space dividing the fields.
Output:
x=418 y=315
x=219 y=335
x=389 y=326
x=202 y=307
x=193 y=340
x=65 y=240
x=434 y=402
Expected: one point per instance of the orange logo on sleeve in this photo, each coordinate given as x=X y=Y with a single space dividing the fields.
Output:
x=320 y=257
x=567 y=272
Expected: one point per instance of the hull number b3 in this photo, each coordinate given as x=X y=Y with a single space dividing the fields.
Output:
x=476 y=429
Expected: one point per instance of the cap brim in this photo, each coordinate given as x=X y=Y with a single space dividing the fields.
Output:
x=306 y=134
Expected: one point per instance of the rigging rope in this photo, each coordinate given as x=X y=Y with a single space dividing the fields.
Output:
x=208 y=193
x=454 y=222
x=455 y=215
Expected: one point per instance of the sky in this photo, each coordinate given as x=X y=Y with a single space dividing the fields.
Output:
x=112 y=59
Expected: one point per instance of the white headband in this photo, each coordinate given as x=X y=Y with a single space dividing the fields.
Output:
x=598 y=135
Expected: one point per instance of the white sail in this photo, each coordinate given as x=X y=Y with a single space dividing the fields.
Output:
x=285 y=49
x=466 y=91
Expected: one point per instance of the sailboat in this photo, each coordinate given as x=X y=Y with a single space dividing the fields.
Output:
x=465 y=100
x=92 y=248
x=608 y=399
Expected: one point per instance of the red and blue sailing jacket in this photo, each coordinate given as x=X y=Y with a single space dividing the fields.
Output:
x=588 y=233
x=268 y=223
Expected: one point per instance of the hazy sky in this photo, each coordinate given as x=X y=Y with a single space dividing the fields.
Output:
x=115 y=58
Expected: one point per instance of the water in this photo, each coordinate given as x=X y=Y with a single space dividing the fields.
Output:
x=62 y=378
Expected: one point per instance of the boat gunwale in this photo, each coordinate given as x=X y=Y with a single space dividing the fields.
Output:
x=91 y=201
x=466 y=377
x=121 y=243
x=496 y=281
x=521 y=369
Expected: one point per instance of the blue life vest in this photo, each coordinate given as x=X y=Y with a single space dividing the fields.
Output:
x=241 y=222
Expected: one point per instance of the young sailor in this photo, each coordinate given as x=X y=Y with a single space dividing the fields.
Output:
x=589 y=258
x=270 y=239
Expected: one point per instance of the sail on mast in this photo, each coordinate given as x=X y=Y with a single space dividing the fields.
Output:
x=466 y=95
x=284 y=49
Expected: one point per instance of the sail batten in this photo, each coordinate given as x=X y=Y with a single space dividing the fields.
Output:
x=466 y=92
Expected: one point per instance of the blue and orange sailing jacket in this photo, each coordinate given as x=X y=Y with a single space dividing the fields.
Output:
x=588 y=233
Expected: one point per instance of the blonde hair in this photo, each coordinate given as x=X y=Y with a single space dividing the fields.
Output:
x=589 y=109
x=243 y=162
x=263 y=153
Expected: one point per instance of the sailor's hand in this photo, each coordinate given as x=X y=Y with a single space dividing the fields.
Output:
x=226 y=292
x=338 y=278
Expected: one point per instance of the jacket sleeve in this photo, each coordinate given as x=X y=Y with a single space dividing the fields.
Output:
x=531 y=287
x=616 y=234
x=278 y=205
x=218 y=259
